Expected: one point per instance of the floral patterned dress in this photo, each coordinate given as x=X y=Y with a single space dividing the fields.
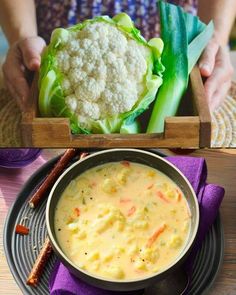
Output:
x=52 y=13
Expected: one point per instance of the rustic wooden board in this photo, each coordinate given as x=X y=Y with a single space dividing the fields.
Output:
x=192 y=131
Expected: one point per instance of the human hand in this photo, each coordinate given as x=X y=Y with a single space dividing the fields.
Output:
x=23 y=56
x=216 y=66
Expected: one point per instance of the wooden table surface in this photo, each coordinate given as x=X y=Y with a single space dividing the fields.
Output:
x=221 y=170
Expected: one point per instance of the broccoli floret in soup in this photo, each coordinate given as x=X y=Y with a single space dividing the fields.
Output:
x=101 y=74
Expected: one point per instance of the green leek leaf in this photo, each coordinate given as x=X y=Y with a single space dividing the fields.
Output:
x=196 y=47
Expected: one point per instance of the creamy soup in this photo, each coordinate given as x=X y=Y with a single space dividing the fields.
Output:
x=122 y=220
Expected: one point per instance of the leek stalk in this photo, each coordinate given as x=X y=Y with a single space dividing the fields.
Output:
x=185 y=37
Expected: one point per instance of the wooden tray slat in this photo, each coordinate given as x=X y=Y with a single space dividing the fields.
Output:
x=199 y=98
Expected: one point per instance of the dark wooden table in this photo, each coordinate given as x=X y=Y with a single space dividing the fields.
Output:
x=221 y=170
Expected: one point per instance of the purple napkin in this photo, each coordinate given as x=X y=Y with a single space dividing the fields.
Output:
x=209 y=198
x=18 y=158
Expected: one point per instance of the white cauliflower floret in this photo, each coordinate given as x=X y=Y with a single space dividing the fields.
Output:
x=93 y=53
x=119 y=98
x=73 y=47
x=105 y=71
x=66 y=87
x=88 y=109
x=94 y=31
x=71 y=102
x=100 y=71
x=89 y=89
x=76 y=61
x=86 y=43
x=76 y=75
x=103 y=45
x=135 y=60
x=102 y=29
x=98 y=33
x=118 y=41
x=117 y=71
x=63 y=61
x=110 y=58
x=88 y=67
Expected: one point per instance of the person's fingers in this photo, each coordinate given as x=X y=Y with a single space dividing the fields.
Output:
x=222 y=73
x=31 y=49
x=22 y=55
x=207 y=60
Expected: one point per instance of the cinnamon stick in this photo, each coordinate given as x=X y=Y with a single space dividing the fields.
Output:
x=21 y=229
x=51 y=177
x=83 y=155
x=39 y=264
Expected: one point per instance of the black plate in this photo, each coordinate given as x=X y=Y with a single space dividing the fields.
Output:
x=21 y=251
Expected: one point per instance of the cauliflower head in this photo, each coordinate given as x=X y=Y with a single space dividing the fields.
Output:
x=101 y=74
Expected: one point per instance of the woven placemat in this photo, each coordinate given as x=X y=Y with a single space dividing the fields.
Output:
x=223 y=121
x=10 y=117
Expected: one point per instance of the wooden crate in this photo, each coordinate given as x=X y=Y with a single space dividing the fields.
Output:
x=191 y=129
